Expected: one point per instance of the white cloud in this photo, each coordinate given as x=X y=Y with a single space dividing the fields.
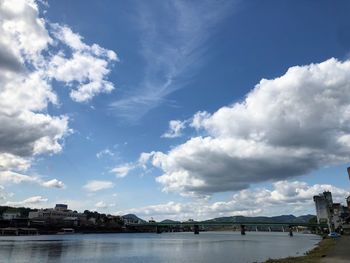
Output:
x=54 y=183
x=25 y=131
x=88 y=66
x=103 y=205
x=105 y=152
x=95 y=185
x=29 y=202
x=74 y=41
x=85 y=69
x=175 y=129
x=13 y=162
x=285 y=127
x=33 y=53
x=10 y=177
x=3 y=194
x=123 y=170
x=285 y=198
x=16 y=178
x=22 y=32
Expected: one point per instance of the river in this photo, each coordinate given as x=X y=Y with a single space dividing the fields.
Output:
x=152 y=248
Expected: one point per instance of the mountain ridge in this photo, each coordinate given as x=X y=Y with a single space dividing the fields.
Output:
x=260 y=219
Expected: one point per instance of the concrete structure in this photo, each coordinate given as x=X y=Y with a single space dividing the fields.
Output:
x=328 y=212
x=60 y=213
x=11 y=215
x=337 y=212
x=348 y=202
x=14 y=231
x=323 y=205
x=61 y=207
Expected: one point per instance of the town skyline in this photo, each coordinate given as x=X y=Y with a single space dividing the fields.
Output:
x=174 y=109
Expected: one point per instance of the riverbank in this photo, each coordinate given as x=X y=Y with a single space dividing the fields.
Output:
x=325 y=252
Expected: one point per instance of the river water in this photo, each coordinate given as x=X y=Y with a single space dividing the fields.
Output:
x=152 y=248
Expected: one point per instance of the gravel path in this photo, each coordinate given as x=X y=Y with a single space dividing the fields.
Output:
x=340 y=253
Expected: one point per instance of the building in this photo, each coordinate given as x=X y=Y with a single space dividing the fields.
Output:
x=348 y=202
x=323 y=206
x=61 y=207
x=60 y=213
x=334 y=214
x=10 y=215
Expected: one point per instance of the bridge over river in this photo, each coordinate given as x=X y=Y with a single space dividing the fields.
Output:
x=197 y=225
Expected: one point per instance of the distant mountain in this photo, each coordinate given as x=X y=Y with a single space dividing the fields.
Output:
x=262 y=219
x=169 y=221
x=132 y=217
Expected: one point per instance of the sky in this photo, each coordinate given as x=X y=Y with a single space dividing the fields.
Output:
x=174 y=109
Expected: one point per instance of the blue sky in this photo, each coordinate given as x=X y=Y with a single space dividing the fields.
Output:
x=160 y=109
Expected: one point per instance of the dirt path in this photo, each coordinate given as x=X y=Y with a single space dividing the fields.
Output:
x=340 y=252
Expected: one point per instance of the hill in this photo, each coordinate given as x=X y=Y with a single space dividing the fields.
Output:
x=133 y=218
x=169 y=221
x=262 y=219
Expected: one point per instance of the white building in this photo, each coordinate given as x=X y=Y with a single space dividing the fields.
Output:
x=327 y=211
x=11 y=215
x=59 y=213
x=322 y=208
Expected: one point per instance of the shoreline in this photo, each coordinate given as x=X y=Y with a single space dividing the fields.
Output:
x=313 y=256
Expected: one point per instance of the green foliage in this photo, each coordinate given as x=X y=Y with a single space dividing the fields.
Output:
x=313 y=220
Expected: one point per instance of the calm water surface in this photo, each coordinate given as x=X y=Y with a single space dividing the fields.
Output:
x=151 y=248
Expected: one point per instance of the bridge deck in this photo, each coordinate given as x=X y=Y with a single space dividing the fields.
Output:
x=213 y=223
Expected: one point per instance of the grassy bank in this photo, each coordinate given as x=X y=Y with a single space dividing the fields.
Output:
x=313 y=256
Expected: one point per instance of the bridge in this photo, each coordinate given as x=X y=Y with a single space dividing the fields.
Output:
x=158 y=226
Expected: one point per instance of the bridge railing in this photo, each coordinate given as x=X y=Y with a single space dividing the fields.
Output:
x=230 y=223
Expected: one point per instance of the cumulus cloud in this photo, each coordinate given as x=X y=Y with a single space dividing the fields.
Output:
x=175 y=129
x=95 y=185
x=33 y=53
x=13 y=162
x=54 y=183
x=25 y=131
x=88 y=66
x=10 y=177
x=23 y=32
x=31 y=201
x=16 y=178
x=285 y=127
x=284 y=198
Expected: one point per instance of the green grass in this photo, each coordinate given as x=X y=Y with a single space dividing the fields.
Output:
x=313 y=256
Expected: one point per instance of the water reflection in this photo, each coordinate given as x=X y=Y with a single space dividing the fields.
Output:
x=167 y=247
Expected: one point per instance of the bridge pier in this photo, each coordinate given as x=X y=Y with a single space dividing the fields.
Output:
x=196 y=229
x=290 y=231
x=269 y=229
x=256 y=229
x=242 y=230
x=158 y=230
x=283 y=230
